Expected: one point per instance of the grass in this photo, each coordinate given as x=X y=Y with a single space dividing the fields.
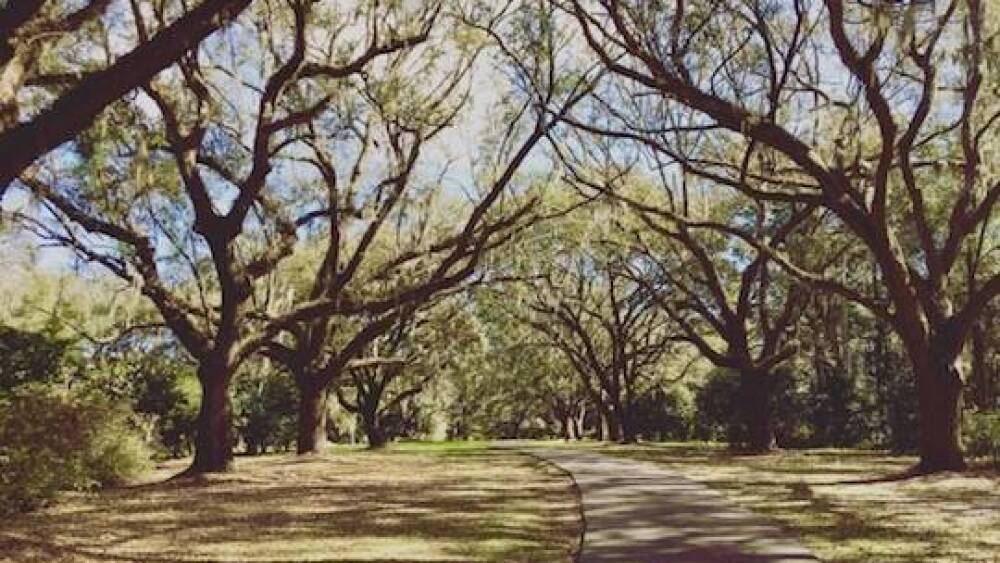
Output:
x=843 y=505
x=412 y=502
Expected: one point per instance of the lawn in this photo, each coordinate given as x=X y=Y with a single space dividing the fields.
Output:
x=453 y=502
x=841 y=503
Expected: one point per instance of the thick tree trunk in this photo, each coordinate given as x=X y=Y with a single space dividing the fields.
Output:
x=603 y=427
x=578 y=422
x=755 y=404
x=213 y=446
x=981 y=376
x=628 y=432
x=614 y=432
x=312 y=437
x=373 y=430
x=940 y=402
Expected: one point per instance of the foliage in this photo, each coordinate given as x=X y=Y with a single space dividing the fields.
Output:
x=666 y=414
x=168 y=392
x=29 y=357
x=51 y=442
x=265 y=410
x=982 y=436
x=716 y=402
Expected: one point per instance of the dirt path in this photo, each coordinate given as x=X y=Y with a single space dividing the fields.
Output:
x=635 y=511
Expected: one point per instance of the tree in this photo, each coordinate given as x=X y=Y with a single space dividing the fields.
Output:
x=406 y=252
x=180 y=187
x=399 y=364
x=910 y=180
x=726 y=297
x=521 y=377
x=36 y=32
x=582 y=302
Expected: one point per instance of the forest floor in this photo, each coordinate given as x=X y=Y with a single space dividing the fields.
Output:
x=411 y=502
x=848 y=505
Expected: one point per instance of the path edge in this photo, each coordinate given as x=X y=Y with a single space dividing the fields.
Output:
x=578 y=552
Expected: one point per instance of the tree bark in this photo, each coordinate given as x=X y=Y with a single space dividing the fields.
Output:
x=373 y=430
x=76 y=109
x=213 y=447
x=603 y=428
x=312 y=437
x=940 y=403
x=564 y=427
x=628 y=433
x=981 y=376
x=755 y=404
x=614 y=426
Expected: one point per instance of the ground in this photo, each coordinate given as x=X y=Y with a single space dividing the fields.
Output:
x=467 y=502
x=451 y=502
x=848 y=505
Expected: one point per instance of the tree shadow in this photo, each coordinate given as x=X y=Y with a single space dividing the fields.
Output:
x=375 y=507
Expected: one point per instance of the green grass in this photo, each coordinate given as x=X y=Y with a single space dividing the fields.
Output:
x=843 y=505
x=410 y=502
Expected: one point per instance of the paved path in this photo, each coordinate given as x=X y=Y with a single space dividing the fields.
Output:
x=638 y=512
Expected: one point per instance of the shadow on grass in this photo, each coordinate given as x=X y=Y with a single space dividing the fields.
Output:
x=851 y=505
x=378 y=506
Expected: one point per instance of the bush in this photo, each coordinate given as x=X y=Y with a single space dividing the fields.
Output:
x=51 y=442
x=29 y=358
x=665 y=414
x=982 y=435
x=169 y=395
x=718 y=409
x=266 y=406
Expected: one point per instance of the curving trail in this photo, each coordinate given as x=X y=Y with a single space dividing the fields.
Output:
x=636 y=511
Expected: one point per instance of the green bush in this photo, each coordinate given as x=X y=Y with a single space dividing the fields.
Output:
x=169 y=395
x=666 y=413
x=266 y=406
x=718 y=413
x=982 y=435
x=51 y=442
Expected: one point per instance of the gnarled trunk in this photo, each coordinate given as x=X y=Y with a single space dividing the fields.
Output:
x=756 y=408
x=312 y=437
x=213 y=445
x=939 y=385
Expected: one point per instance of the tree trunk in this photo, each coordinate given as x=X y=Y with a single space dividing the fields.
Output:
x=755 y=402
x=564 y=427
x=614 y=426
x=981 y=377
x=628 y=433
x=213 y=446
x=312 y=437
x=578 y=422
x=603 y=428
x=940 y=403
x=373 y=429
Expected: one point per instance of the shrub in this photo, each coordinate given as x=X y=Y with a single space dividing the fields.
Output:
x=266 y=411
x=718 y=409
x=168 y=394
x=51 y=442
x=29 y=357
x=666 y=413
x=982 y=435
